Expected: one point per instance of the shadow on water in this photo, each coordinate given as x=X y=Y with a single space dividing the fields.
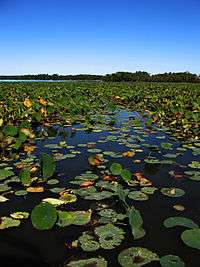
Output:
x=26 y=246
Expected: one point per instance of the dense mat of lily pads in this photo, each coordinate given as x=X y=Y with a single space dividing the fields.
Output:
x=114 y=182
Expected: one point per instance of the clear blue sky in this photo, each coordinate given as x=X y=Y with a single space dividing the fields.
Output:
x=99 y=36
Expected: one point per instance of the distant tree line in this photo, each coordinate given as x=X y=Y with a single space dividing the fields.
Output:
x=51 y=77
x=142 y=76
x=138 y=76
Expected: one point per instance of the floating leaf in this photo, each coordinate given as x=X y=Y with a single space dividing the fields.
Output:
x=53 y=201
x=3 y=199
x=136 y=257
x=171 y=261
x=19 y=215
x=126 y=175
x=195 y=165
x=53 y=181
x=88 y=243
x=25 y=177
x=73 y=217
x=5 y=174
x=191 y=238
x=138 y=195
x=109 y=235
x=37 y=189
x=136 y=222
x=179 y=207
x=48 y=166
x=149 y=190
x=7 y=222
x=99 y=195
x=95 y=262
x=116 y=168
x=179 y=221
x=172 y=192
x=68 y=198
x=44 y=216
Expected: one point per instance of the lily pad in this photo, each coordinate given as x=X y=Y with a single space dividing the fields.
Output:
x=172 y=192
x=171 y=261
x=44 y=216
x=7 y=222
x=68 y=198
x=93 y=262
x=191 y=238
x=53 y=181
x=149 y=190
x=3 y=199
x=53 y=201
x=126 y=174
x=179 y=221
x=48 y=165
x=5 y=174
x=138 y=195
x=99 y=195
x=109 y=235
x=66 y=218
x=88 y=243
x=116 y=168
x=136 y=257
x=19 y=215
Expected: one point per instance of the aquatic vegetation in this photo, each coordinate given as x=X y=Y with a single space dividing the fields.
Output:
x=136 y=257
x=44 y=216
x=171 y=260
x=191 y=238
x=95 y=176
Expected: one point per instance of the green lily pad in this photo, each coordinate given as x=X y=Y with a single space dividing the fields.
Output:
x=148 y=190
x=172 y=192
x=191 y=238
x=109 y=235
x=126 y=174
x=57 y=189
x=179 y=221
x=5 y=174
x=110 y=216
x=25 y=177
x=21 y=193
x=171 y=261
x=88 y=243
x=136 y=257
x=66 y=218
x=7 y=222
x=93 y=262
x=44 y=216
x=99 y=195
x=136 y=223
x=48 y=166
x=68 y=198
x=116 y=168
x=53 y=181
x=138 y=195
x=195 y=165
x=94 y=150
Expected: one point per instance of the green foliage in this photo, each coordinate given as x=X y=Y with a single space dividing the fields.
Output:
x=171 y=261
x=44 y=216
x=48 y=166
x=191 y=238
x=25 y=177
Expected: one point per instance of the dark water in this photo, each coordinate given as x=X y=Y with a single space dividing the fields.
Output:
x=26 y=246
